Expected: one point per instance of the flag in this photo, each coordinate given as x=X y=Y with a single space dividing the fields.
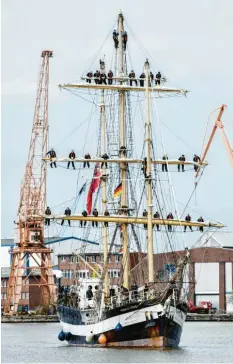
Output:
x=93 y=187
x=118 y=190
x=82 y=189
x=121 y=250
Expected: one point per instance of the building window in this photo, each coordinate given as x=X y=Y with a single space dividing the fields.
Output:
x=109 y=259
x=63 y=258
x=4 y=296
x=117 y=259
x=27 y=295
x=86 y=258
x=71 y=259
x=77 y=259
x=93 y=259
x=101 y=258
x=23 y=296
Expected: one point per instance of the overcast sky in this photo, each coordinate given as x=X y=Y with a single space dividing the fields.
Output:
x=189 y=41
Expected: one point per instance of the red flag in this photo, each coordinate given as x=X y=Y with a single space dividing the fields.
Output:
x=93 y=187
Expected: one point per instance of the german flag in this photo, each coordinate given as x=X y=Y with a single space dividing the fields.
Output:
x=118 y=190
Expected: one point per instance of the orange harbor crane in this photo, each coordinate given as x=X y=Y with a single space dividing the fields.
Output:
x=218 y=125
x=30 y=230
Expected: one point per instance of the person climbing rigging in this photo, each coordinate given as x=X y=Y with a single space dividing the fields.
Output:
x=115 y=35
x=71 y=156
x=89 y=75
x=106 y=213
x=124 y=39
x=123 y=150
x=182 y=159
x=48 y=213
x=151 y=78
x=97 y=77
x=84 y=213
x=52 y=154
x=201 y=227
x=132 y=78
x=67 y=213
x=142 y=76
x=103 y=79
x=110 y=76
x=86 y=156
x=105 y=157
x=157 y=216
x=145 y=214
x=197 y=160
x=164 y=165
x=158 y=78
x=95 y=213
x=188 y=219
x=170 y=217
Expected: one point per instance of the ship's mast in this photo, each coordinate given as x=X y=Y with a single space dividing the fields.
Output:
x=124 y=204
x=148 y=178
x=104 y=189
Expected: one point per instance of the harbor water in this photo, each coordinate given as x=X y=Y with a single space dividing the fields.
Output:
x=202 y=342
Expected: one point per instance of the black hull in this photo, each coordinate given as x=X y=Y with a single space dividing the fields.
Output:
x=163 y=332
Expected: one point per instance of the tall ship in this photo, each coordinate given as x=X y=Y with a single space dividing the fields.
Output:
x=133 y=208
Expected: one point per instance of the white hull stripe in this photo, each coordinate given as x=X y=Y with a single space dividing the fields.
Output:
x=126 y=319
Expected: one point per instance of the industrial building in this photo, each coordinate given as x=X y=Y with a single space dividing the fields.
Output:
x=210 y=276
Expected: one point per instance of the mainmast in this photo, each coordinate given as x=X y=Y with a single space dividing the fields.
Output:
x=124 y=204
x=104 y=189
x=148 y=179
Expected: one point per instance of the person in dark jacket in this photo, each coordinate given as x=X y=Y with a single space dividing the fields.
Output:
x=115 y=35
x=86 y=156
x=158 y=78
x=197 y=160
x=110 y=76
x=151 y=78
x=157 y=216
x=97 y=77
x=105 y=157
x=170 y=217
x=201 y=220
x=132 y=78
x=164 y=165
x=89 y=293
x=95 y=213
x=52 y=154
x=188 y=219
x=67 y=213
x=124 y=39
x=106 y=213
x=145 y=214
x=103 y=78
x=142 y=81
x=84 y=213
x=71 y=156
x=182 y=159
x=89 y=75
x=48 y=213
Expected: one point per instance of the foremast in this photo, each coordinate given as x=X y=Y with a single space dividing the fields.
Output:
x=150 y=248
x=123 y=166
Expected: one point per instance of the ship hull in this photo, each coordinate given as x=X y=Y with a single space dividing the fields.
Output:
x=135 y=331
